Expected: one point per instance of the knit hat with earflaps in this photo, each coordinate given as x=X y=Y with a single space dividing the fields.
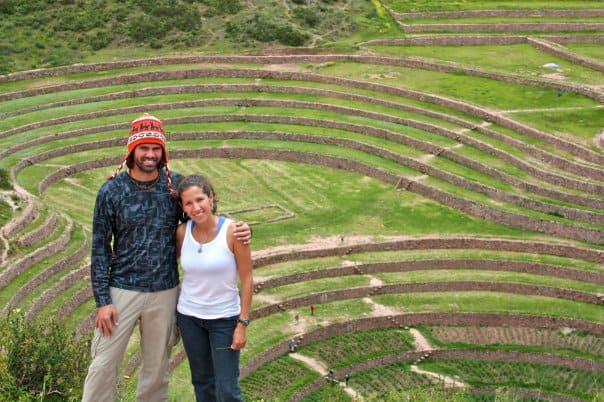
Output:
x=147 y=129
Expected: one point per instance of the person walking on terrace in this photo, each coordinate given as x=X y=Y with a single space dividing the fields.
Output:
x=212 y=312
x=134 y=271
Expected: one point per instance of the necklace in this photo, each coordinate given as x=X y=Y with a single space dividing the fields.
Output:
x=145 y=185
x=200 y=248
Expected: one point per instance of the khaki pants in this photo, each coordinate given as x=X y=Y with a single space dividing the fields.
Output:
x=156 y=311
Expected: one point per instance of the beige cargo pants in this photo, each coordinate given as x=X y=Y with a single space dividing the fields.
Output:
x=155 y=313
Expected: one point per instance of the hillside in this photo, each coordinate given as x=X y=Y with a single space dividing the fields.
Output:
x=428 y=175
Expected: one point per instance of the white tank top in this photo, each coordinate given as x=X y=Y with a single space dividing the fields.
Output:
x=209 y=286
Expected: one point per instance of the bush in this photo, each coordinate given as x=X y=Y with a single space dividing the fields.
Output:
x=99 y=39
x=222 y=7
x=40 y=360
x=5 y=180
x=264 y=28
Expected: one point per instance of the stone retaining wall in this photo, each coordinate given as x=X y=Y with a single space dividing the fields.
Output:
x=557 y=50
x=474 y=110
x=432 y=264
x=505 y=27
x=413 y=319
x=64 y=283
x=43 y=276
x=482 y=39
x=530 y=247
x=470 y=207
x=590 y=13
x=562 y=163
x=41 y=232
x=453 y=286
x=18 y=267
x=572 y=213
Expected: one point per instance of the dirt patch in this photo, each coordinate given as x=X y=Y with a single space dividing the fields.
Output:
x=554 y=76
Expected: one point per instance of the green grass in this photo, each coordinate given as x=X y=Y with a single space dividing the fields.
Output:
x=356 y=347
x=590 y=50
x=582 y=125
x=480 y=302
x=277 y=379
x=533 y=340
x=6 y=212
x=578 y=383
x=518 y=59
x=486 y=276
x=456 y=5
x=326 y=202
x=329 y=203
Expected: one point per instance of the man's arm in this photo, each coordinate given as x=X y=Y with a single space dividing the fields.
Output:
x=100 y=261
x=102 y=235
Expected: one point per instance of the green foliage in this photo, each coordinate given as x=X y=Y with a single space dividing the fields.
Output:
x=415 y=394
x=40 y=360
x=157 y=19
x=265 y=28
x=5 y=183
x=222 y=7
x=420 y=394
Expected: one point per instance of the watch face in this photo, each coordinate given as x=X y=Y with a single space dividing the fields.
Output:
x=244 y=322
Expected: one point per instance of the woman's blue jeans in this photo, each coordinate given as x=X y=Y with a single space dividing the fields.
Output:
x=214 y=365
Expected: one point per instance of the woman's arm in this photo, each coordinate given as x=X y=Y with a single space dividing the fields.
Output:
x=243 y=258
x=180 y=236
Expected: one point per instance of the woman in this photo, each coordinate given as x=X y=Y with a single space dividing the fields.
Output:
x=212 y=313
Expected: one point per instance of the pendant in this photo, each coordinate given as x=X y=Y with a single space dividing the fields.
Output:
x=200 y=249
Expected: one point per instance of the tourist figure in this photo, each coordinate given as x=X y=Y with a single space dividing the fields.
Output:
x=213 y=314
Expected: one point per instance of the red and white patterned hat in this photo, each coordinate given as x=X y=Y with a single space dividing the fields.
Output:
x=147 y=129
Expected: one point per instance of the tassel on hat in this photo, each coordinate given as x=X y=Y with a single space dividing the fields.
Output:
x=147 y=129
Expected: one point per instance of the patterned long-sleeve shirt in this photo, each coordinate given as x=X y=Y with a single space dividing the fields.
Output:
x=133 y=237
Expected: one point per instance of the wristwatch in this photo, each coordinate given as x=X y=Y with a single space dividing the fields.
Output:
x=244 y=321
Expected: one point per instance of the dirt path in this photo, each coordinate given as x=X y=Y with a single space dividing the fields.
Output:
x=446 y=380
x=421 y=343
x=314 y=364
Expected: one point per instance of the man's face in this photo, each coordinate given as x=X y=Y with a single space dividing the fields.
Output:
x=147 y=157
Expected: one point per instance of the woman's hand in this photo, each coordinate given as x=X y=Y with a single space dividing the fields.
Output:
x=239 y=337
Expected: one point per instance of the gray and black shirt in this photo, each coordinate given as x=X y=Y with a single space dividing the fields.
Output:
x=133 y=237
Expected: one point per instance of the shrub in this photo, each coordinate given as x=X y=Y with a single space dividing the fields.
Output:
x=40 y=360
x=99 y=39
x=222 y=7
x=5 y=180
x=264 y=28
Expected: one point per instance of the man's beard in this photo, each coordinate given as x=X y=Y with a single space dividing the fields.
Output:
x=147 y=168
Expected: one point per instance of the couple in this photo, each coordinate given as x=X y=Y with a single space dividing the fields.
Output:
x=135 y=276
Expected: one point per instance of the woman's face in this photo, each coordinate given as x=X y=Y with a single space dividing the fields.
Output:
x=196 y=204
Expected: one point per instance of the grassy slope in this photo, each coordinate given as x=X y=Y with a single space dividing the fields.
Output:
x=249 y=181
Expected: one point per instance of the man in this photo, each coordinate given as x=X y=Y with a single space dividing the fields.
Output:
x=134 y=271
